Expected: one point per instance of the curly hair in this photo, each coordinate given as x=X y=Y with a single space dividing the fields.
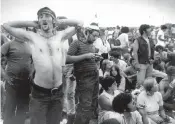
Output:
x=121 y=101
x=143 y=28
x=107 y=82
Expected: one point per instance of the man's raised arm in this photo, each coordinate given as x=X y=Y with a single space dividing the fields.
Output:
x=15 y=29
x=69 y=32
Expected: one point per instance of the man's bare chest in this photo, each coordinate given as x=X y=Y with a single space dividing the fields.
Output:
x=48 y=46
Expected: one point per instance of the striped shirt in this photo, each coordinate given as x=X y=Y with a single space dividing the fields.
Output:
x=79 y=48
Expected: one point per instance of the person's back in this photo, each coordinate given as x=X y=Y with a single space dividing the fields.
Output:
x=124 y=39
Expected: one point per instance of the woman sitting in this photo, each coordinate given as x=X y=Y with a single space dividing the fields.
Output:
x=119 y=78
x=105 y=99
x=150 y=104
x=106 y=67
x=124 y=110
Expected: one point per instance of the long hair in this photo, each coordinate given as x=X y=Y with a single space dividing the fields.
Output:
x=118 y=76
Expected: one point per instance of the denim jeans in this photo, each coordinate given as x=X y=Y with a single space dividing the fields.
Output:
x=144 y=72
x=87 y=92
x=17 y=101
x=45 y=108
x=69 y=94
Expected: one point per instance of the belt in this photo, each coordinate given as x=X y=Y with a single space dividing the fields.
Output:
x=45 y=90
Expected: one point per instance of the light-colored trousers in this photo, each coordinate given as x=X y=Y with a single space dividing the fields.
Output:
x=69 y=94
x=146 y=70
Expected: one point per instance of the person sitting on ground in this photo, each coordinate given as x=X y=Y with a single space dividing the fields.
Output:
x=126 y=58
x=124 y=110
x=106 y=66
x=115 y=57
x=159 y=52
x=167 y=89
x=119 y=77
x=150 y=103
x=105 y=99
x=131 y=72
x=110 y=121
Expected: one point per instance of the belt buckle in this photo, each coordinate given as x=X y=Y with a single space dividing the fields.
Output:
x=54 y=90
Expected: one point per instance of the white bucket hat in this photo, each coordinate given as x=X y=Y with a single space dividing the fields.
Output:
x=93 y=26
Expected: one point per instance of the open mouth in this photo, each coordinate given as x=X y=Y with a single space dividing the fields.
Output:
x=45 y=23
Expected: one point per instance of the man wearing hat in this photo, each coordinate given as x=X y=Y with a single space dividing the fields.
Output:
x=167 y=89
x=48 y=57
x=82 y=54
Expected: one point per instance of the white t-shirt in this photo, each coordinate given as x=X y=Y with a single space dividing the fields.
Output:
x=124 y=40
x=150 y=103
x=122 y=65
x=173 y=30
x=103 y=48
x=162 y=43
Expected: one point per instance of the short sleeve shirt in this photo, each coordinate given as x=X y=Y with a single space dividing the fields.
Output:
x=162 y=43
x=150 y=103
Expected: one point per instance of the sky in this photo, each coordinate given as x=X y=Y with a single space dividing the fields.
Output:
x=109 y=12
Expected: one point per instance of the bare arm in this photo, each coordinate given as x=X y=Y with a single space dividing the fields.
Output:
x=166 y=94
x=14 y=28
x=159 y=37
x=122 y=84
x=4 y=39
x=162 y=112
x=144 y=116
x=131 y=76
x=70 y=31
x=135 y=49
x=74 y=59
x=104 y=103
x=114 y=47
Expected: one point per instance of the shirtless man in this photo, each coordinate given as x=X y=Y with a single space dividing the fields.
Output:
x=167 y=89
x=48 y=57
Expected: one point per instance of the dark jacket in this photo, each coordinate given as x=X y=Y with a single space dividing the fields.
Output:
x=143 y=56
